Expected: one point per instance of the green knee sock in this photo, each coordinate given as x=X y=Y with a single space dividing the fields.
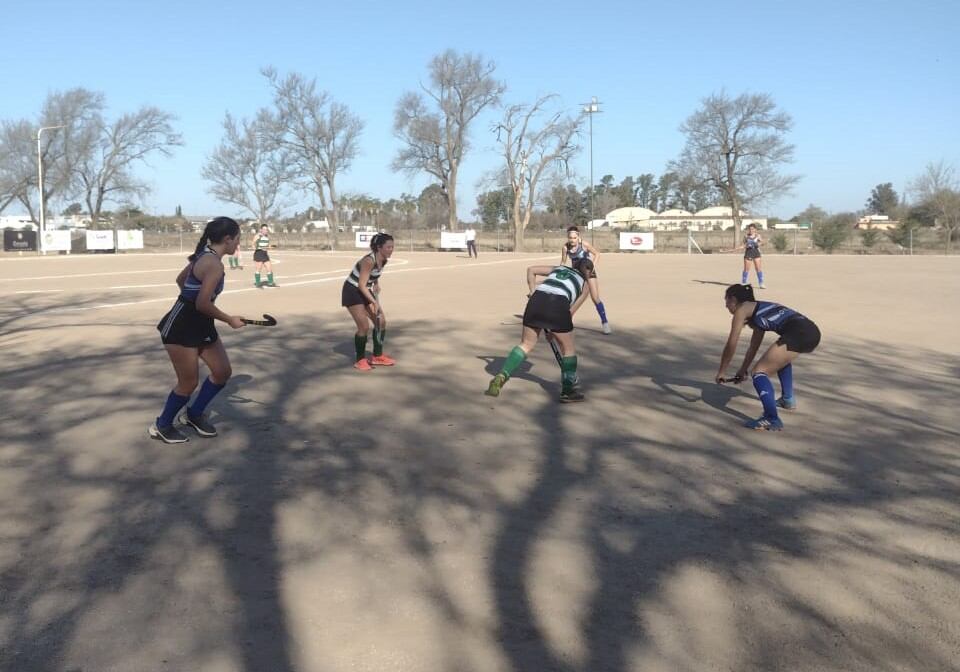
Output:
x=378 y=337
x=568 y=372
x=256 y=279
x=514 y=359
x=269 y=278
x=360 y=343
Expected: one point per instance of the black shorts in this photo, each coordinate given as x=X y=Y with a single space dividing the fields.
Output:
x=185 y=325
x=351 y=296
x=548 y=311
x=799 y=334
x=752 y=253
x=261 y=255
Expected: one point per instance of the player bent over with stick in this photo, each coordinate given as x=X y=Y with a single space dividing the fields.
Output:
x=798 y=334
x=551 y=307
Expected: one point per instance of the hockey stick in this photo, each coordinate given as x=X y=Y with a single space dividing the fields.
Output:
x=267 y=321
x=553 y=346
x=736 y=380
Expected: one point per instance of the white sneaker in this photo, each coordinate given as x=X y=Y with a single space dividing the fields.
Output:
x=762 y=286
x=606 y=328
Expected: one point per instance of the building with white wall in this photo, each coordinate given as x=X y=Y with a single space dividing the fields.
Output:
x=675 y=219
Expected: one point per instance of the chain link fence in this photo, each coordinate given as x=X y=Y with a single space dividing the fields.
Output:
x=924 y=241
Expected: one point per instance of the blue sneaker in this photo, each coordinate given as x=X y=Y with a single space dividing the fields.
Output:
x=765 y=423
x=787 y=403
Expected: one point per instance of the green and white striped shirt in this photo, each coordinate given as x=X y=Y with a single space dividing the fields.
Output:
x=563 y=281
x=354 y=277
x=263 y=242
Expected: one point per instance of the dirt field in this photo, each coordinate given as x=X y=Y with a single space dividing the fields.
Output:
x=401 y=520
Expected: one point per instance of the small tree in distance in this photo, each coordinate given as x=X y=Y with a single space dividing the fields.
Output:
x=833 y=232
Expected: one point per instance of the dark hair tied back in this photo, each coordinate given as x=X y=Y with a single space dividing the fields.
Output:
x=214 y=232
x=379 y=241
x=740 y=292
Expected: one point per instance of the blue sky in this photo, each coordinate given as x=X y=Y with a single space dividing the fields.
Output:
x=874 y=88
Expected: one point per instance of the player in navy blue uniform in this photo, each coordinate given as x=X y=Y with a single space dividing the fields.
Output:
x=797 y=334
x=751 y=254
x=576 y=249
x=188 y=333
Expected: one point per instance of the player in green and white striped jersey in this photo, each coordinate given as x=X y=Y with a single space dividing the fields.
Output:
x=551 y=307
x=261 y=243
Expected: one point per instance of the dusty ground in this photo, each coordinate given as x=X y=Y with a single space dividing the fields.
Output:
x=400 y=520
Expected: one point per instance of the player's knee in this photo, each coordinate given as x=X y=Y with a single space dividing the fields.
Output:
x=221 y=374
x=186 y=384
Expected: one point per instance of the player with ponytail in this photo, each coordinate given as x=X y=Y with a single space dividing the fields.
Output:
x=189 y=335
x=797 y=334
x=361 y=297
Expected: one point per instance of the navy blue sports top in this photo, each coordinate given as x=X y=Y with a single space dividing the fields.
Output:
x=579 y=252
x=751 y=243
x=769 y=316
x=191 y=287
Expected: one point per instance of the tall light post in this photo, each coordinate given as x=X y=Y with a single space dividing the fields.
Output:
x=40 y=184
x=590 y=109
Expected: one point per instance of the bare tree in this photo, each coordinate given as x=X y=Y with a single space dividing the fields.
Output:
x=937 y=188
x=321 y=135
x=105 y=164
x=433 y=125
x=78 y=112
x=18 y=162
x=533 y=140
x=737 y=145
x=250 y=168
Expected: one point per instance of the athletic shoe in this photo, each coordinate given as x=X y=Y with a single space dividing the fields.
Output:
x=762 y=286
x=493 y=390
x=167 y=434
x=787 y=403
x=200 y=424
x=382 y=360
x=363 y=365
x=765 y=423
x=272 y=284
x=606 y=328
x=571 y=395
x=258 y=285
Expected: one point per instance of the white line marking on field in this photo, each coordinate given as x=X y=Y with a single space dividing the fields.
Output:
x=293 y=284
x=37 y=291
x=91 y=275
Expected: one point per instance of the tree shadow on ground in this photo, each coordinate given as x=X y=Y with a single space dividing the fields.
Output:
x=650 y=490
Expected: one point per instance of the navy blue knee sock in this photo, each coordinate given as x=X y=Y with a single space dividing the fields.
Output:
x=767 y=397
x=602 y=312
x=207 y=392
x=786 y=381
x=174 y=403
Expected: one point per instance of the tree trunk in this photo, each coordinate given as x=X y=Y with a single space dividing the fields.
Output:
x=518 y=226
x=452 y=200
x=334 y=219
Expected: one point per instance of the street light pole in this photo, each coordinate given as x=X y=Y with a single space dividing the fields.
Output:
x=40 y=184
x=590 y=109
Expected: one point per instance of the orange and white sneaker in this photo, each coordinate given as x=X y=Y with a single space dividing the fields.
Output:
x=363 y=365
x=382 y=360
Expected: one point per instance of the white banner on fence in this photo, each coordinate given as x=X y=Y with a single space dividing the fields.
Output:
x=636 y=241
x=99 y=240
x=129 y=240
x=56 y=241
x=453 y=241
x=363 y=238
